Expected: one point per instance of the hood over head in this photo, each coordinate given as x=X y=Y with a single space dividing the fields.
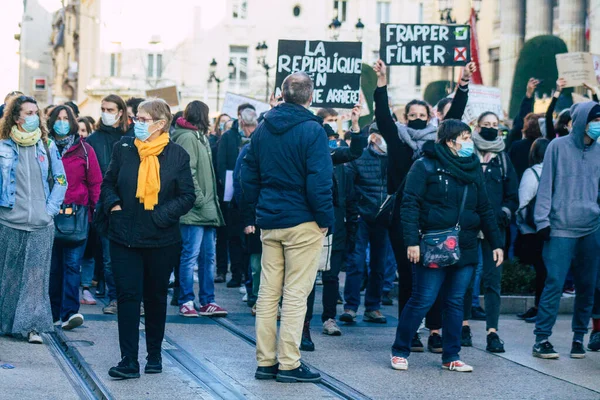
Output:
x=286 y=116
x=581 y=114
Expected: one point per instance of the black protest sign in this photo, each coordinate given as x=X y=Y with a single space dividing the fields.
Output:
x=334 y=67
x=425 y=44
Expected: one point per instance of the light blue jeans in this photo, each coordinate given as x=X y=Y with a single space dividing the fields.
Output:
x=198 y=248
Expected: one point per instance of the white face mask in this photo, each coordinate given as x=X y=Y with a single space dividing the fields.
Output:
x=383 y=146
x=109 y=119
x=333 y=125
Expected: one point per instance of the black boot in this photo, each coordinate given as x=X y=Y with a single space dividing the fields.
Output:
x=126 y=369
x=307 y=343
x=175 y=299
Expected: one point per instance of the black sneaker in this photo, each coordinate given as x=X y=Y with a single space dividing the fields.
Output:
x=466 y=339
x=594 y=344
x=126 y=369
x=494 y=344
x=577 y=350
x=233 y=283
x=531 y=320
x=154 y=364
x=306 y=344
x=175 y=298
x=545 y=350
x=532 y=312
x=300 y=374
x=220 y=278
x=264 y=373
x=416 y=346
x=434 y=343
x=386 y=300
x=478 y=314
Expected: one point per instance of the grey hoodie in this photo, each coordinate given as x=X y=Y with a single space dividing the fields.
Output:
x=567 y=198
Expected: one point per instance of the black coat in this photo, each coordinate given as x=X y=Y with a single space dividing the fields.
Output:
x=502 y=188
x=431 y=201
x=102 y=141
x=134 y=226
x=516 y=133
x=369 y=176
x=229 y=148
x=519 y=155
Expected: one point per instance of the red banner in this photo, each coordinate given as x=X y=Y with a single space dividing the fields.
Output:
x=476 y=78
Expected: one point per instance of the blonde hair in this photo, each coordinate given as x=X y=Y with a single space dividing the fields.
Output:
x=12 y=112
x=158 y=110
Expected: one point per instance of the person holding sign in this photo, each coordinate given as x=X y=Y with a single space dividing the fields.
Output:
x=405 y=144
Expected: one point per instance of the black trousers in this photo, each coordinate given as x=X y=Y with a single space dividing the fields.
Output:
x=433 y=320
x=142 y=274
x=230 y=244
x=331 y=289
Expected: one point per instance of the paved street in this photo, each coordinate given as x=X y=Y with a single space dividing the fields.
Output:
x=206 y=359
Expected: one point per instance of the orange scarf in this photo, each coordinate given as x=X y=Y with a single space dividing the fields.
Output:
x=149 y=173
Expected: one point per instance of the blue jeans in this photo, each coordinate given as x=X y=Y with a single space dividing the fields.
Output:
x=477 y=281
x=64 y=281
x=558 y=254
x=108 y=274
x=87 y=271
x=199 y=247
x=427 y=283
x=368 y=233
x=390 y=267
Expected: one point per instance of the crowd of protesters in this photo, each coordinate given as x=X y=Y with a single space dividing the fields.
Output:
x=124 y=208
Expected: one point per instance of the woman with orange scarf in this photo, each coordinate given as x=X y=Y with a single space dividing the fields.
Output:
x=147 y=188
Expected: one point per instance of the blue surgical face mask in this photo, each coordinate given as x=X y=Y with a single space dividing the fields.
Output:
x=222 y=126
x=141 y=132
x=61 y=128
x=32 y=122
x=466 y=150
x=594 y=130
x=333 y=144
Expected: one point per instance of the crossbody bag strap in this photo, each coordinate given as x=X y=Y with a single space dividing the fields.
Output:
x=462 y=205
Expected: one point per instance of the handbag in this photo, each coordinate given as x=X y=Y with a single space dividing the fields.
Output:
x=441 y=249
x=71 y=225
x=385 y=214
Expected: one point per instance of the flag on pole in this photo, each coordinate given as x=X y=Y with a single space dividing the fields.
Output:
x=476 y=78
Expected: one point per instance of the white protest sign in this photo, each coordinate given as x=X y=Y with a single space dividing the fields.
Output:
x=232 y=101
x=482 y=99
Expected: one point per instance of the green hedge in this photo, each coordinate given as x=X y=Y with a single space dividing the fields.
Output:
x=537 y=60
x=436 y=91
x=368 y=84
x=517 y=279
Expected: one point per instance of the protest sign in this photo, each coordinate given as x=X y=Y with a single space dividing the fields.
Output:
x=232 y=101
x=576 y=68
x=596 y=60
x=334 y=67
x=168 y=94
x=482 y=99
x=425 y=44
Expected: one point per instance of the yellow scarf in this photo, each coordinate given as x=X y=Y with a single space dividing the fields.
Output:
x=25 y=139
x=149 y=173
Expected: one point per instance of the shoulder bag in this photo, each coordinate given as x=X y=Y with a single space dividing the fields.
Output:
x=441 y=249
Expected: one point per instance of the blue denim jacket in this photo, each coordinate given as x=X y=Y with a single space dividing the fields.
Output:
x=9 y=157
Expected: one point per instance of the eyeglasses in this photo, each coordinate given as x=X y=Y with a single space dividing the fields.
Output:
x=142 y=120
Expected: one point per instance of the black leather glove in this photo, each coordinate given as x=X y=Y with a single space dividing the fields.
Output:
x=544 y=234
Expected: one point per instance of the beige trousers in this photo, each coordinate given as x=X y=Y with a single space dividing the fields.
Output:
x=290 y=260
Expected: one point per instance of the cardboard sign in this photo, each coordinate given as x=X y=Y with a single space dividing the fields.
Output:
x=425 y=44
x=334 y=67
x=482 y=99
x=596 y=60
x=576 y=68
x=232 y=101
x=168 y=94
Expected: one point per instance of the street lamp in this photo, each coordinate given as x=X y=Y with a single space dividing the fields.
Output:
x=360 y=30
x=212 y=70
x=334 y=28
x=261 y=57
x=445 y=8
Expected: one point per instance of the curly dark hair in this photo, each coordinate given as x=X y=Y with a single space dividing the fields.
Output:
x=73 y=125
x=531 y=126
x=12 y=114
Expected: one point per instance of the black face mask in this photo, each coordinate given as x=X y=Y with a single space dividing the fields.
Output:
x=417 y=124
x=489 y=134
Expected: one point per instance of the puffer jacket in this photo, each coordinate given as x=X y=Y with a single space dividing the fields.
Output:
x=502 y=187
x=369 y=175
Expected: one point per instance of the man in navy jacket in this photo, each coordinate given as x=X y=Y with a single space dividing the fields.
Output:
x=287 y=174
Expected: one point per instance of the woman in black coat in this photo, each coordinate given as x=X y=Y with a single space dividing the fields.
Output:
x=147 y=188
x=436 y=186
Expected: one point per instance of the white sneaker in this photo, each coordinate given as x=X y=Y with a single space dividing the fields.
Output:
x=457 y=366
x=399 y=363
x=330 y=327
x=74 y=321
x=245 y=298
x=243 y=289
x=87 y=298
x=35 y=338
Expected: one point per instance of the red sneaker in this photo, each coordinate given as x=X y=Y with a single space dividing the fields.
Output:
x=457 y=366
x=213 y=310
x=187 y=310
